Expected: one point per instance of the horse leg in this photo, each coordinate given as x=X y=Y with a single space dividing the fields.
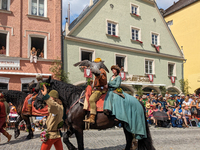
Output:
x=28 y=126
x=17 y=131
x=79 y=138
x=66 y=136
x=129 y=138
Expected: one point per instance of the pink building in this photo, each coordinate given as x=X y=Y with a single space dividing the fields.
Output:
x=25 y=24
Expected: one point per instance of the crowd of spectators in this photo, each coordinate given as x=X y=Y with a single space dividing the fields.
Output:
x=171 y=110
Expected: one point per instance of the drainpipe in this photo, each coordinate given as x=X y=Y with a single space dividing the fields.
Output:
x=183 y=66
x=62 y=67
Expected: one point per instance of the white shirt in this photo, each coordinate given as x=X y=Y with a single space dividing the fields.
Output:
x=186 y=103
x=190 y=100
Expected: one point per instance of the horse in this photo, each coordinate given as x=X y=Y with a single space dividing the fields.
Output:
x=17 y=99
x=69 y=95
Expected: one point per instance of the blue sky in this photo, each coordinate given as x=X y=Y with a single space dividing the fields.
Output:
x=77 y=7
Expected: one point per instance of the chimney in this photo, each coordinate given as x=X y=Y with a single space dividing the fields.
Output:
x=67 y=21
x=68 y=13
x=91 y=3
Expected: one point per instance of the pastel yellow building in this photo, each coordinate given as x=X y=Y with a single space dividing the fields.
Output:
x=183 y=18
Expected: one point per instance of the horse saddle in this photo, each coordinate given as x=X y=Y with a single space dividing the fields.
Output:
x=84 y=100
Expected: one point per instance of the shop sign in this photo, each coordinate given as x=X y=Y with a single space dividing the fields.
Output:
x=137 y=78
x=9 y=64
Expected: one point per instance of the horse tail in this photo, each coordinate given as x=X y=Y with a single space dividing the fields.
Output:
x=146 y=143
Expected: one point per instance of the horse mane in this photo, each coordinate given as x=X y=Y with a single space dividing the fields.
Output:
x=68 y=93
x=15 y=97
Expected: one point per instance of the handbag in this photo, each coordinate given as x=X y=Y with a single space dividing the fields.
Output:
x=194 y=110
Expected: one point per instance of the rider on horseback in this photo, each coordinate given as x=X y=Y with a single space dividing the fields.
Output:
x=100 y=83
x=34 y=91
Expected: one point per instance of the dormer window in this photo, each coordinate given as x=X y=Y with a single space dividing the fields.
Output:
x=135 y=10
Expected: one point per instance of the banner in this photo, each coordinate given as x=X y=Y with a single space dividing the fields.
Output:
x=150 y=77
x=172 y=79
x=87 y=73
x=122 y=75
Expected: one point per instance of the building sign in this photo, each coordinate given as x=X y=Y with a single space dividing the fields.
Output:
x=87 y=73
x=172 y=79
x=150 y=77
x=122 y=75
x=137 y=78
x=9 y=64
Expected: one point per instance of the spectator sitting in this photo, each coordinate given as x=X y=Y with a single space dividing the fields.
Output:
x=33 y=56
x=41 y=55
x=198 y=108
x=193 y=108
x=163 y=104
x=179 y=101
x=191 y=98
x=155 y=101
x=169 y=113
x=186 y=114
x=3 y=50
x=186 y=102
x=178 y=111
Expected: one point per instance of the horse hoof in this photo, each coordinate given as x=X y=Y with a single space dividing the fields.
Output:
x=16 y=134
x=29 y=137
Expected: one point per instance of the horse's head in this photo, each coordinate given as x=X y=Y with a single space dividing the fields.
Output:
x=39 y=103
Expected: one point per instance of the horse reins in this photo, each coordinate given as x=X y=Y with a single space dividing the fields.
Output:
x=73 y=105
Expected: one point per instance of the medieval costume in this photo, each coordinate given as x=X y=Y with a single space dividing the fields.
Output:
x=55 y=109
x=99 y=88
x=125 y=107
x=4 y=111
x=35 y=91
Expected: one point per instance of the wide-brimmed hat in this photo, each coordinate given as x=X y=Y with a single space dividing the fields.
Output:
x=144 y=96
x=148 y=105
x=54 y=94
x=116 y=68
x=97 y=60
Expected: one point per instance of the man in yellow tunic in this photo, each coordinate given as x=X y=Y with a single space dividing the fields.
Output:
x=99 y=88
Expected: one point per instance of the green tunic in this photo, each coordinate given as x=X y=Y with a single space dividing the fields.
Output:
x=128 y=109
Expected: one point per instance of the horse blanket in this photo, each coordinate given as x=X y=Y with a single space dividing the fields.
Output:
x=86 y=96
x=35 y=112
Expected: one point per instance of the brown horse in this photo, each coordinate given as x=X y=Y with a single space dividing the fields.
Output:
x=69 y=94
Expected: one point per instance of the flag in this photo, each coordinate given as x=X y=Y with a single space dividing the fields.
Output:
x=87 y=73
x=172 y=79
x=150 y=77
x=122 y=75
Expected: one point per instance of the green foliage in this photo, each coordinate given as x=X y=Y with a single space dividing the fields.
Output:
x=59 y=73
x=139 y=89
x=184 y=86
x=44 y=83
x=163 y=90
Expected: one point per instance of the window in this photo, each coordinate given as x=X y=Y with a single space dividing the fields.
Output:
x=38 y=7
x=134 y=9
x=112 y=28
x=149 y=67
x=5 y=4
x=25 y=87
x=3 y=86
x=121 y=61
x=135 y=34
x=86 y=55
x=40 y=44
x=155 y=39
x=171 y=69
x=3 y=43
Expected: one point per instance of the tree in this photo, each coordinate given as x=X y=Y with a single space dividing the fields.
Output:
x=58 y=72
x=184 y=86
x=139 y=89
x=163 y=90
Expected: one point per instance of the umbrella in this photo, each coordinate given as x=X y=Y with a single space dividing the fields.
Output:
x=160 y=115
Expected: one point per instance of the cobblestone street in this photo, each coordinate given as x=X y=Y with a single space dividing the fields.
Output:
x=113 y=139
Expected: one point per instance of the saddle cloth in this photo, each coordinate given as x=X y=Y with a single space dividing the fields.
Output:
x=84 y=99
x=35 y=112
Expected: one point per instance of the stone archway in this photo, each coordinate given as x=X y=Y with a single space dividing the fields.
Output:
x=197 y=91
x=148 y=89
x=173 y=90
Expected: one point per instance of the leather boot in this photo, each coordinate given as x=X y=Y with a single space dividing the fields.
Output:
x=29 y=110
x=7 y=135
x=91 y=119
